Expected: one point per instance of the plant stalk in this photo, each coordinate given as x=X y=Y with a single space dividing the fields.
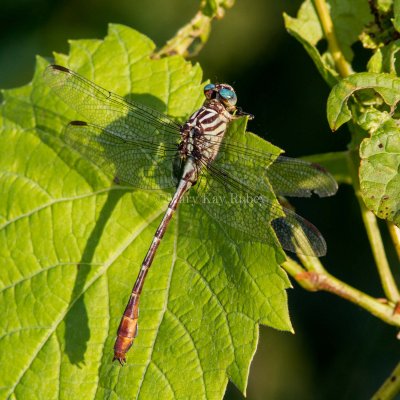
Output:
x=191 y=38
x=318 y=279
x=395 y=235
x=374 y=236
x=391 y=387
x=343 y=67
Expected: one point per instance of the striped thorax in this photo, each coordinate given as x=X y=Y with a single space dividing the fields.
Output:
x=202 y=134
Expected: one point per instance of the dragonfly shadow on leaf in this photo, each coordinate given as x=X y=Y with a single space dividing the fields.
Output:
x=77 y=332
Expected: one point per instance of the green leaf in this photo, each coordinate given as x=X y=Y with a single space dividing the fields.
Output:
x=385 y=59
x=349 y=19
x=387 y=86
x=71 y=244
x=396 y=12
x=379 y=172
x=384 y=5
x=306 y=28
x=379 y=153
x=215 y=8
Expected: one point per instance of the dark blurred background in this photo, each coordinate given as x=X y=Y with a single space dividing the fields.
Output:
x=338 y=351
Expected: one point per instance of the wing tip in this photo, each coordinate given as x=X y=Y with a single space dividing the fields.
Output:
x=58 y=68
x=78 y=123
x=308 y=241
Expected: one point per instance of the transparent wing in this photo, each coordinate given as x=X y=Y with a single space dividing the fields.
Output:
x=298 y=178
x=126 y=119
x=254 y=211
x=287 y=176
x=145 y=164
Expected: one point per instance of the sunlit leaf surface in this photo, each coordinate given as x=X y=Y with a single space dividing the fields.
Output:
x=71 y=244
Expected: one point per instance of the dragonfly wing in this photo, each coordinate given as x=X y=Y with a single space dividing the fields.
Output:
x=146 y=164
x=287 y=176
x=297 y=178
x=127 y=119
x=255 y=211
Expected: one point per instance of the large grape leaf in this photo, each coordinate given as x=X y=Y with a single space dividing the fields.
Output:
x=71 y=243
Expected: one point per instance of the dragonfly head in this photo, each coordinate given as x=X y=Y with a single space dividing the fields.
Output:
x=226 y=95
x=223 y=93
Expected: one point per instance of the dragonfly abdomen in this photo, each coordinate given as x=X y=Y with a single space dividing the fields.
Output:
x=128 y=329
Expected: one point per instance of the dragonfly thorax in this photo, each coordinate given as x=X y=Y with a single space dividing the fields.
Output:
x=202 y=134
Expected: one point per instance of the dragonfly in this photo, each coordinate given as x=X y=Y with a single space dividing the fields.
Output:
x=136 y=144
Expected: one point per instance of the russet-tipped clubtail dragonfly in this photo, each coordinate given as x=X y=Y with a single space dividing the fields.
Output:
x=138 y=145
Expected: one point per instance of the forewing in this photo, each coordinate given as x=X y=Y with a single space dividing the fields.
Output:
x=146 y=164
x=126 y=119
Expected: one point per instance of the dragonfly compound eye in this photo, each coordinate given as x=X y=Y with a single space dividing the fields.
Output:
x=228 y=95
x=209 y=91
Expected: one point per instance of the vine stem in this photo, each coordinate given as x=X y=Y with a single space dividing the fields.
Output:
x=316 y=278
x=391 y=387
x=191 y=38
x=342 y=65
x=395 y=235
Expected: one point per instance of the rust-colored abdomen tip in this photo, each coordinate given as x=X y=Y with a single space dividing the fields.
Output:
x=120 y=357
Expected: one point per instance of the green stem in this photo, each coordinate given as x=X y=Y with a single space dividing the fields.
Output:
x=391 y=387
x=374 y=236
x=197 y=29
x=342 y=65
x=191 y=38
x=319 y=279
x=395 y=235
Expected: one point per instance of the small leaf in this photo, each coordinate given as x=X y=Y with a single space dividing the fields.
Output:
x=349 y=18
x=380 y=153
x=387 y=86
x=396 y=12
x=71 y=244
x=379 y=172
x=384 y=6
x=306 y=28
x=385 y=59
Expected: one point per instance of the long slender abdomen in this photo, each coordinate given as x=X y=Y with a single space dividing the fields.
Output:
x=128 y=326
